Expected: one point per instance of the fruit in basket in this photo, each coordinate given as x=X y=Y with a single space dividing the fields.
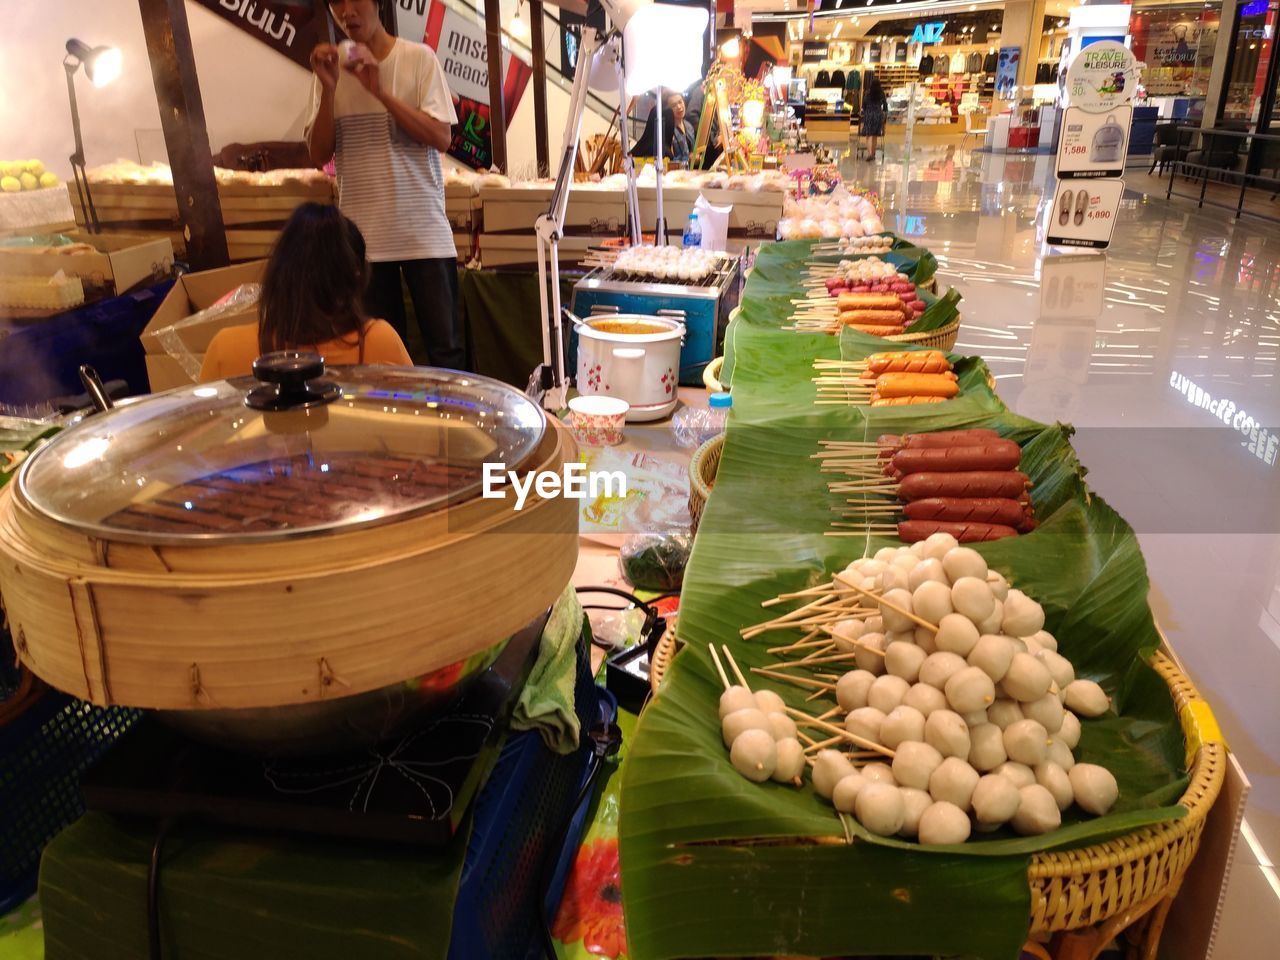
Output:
x=49 y=179
x=29 y=181
x=34 y=167
x=10 y=184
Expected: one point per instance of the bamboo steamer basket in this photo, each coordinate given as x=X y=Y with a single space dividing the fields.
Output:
x=1106 y=886
x=290 y=636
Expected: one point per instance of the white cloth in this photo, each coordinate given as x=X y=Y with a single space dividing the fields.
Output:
x=957 y=62
x=391 y=185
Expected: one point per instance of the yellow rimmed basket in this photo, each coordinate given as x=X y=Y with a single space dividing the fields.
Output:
x=944 y=338
x=1109 y=886
x=711 y=376
x=702 y=476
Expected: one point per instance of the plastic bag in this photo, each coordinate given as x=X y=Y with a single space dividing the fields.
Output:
x=655 y=561
x=694 y=426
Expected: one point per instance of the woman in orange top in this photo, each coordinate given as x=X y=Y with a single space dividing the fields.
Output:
x=312 y=299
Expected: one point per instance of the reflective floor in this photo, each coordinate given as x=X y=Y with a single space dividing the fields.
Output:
x=1163 y=353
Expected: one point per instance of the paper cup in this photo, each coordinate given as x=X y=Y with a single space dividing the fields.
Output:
x=596 y=420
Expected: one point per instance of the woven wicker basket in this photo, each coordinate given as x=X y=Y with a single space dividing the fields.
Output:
x=711 y=375
x=1112 y=881
x=944 y=338
x=702 y=475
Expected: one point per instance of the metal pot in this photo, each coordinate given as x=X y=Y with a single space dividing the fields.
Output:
x=634 y=357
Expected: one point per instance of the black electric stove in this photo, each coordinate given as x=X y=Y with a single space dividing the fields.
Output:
x=415 y=789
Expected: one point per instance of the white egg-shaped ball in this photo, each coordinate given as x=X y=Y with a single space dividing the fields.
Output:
x=943 y=824
x=1086 y=698
x=901 y=724
x=1096 y=790
x=790 y=760
x=986 y=747
x=769 y=702
x=999 y=585
x=878 y=773
x=925 y=698
x=887 y=693
x=844 y=795
x=946 y=732
x=1054 y=779
x=995 y=800
x=868 y=655
x=829 y=768
x=914 y=803
x=736 y=698
x=973 y=598
x=927 y=571
x=964 y=562
x=782 y=726
x=937 y=545
x=1037 y=811
x=970 y=690
x=1069 y=734
x=926 y=640
x=1018 y=773
x=865 y=723
x=1026 y=742
x=994 y=622
x=852 y=689
x=1004 y=712
x=956 y=634
x=1059 y=667
x=740 y=721
x=914 y=763
x=953 y=782
x=846 y=633
x=895 y=579
x=1046 y=639
x=939 y=667
x=1047 y=711
x=893 y=619
x=1022 y=615
x=992 y=654
x=754 y=754
x=1027 y=678
x=898 y=637
x=904 y=660
x=880 y=809
x=875 y=624
x=931 y=601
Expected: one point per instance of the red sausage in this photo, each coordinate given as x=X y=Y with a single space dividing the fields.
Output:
x=992 y=455
x=912 y=531
x=1003 y=511
x=948 y=438
x=980 y=483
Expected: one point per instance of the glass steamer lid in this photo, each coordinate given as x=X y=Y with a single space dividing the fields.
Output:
x=292 y=455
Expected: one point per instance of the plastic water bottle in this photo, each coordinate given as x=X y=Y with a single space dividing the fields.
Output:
x=693 y=231
x=694 y=426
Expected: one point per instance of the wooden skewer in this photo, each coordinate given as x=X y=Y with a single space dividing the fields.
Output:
x=798 y=681
x=888 y=531
x=820 y=652
x=801 y=645
x=841 y=732
x=789 y=664
x=711 y=648
x=797 y=594
x=833 y=712
x=897 y=609
x=823 y=744
x=734 y=664
x=817 y=694
x=804 y=737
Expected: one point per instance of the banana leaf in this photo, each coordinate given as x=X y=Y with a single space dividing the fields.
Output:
x=715 y=865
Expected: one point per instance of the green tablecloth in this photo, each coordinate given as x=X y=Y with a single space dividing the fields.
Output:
x=501 y=315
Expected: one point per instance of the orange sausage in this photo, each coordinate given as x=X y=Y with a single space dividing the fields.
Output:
x=912 y=363
x=871 y=316
x=917 y=385
x=878 y=401
x=868 y=301
x=877 y=329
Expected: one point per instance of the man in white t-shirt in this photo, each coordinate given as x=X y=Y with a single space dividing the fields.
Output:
x=382 y=109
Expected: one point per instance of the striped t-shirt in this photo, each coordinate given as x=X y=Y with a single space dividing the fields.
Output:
x=388 y=183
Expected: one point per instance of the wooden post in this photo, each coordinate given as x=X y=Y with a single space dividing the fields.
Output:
x=497 y=109
x=539 y=44
x=173 y=71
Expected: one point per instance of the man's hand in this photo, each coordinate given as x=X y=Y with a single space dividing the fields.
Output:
x=324 y=62
x=364 y=65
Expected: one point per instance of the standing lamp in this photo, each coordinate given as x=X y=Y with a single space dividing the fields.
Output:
x=633 y=46
x=101 y=66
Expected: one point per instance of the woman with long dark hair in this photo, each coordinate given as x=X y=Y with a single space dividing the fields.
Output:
x=312 y=300
x=874 y=105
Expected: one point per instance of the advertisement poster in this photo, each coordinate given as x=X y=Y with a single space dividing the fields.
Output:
x=463 y=53
x=1084 y=213
x=1007 y=72
x=1093 y=144
x=1103 y=75
x=293 y=32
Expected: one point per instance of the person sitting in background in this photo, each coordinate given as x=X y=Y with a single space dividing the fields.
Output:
x=312 y=300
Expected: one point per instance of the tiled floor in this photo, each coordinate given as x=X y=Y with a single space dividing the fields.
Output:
x=1147 y=349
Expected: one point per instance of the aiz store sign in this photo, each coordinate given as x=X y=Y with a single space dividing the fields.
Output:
x=928 y=32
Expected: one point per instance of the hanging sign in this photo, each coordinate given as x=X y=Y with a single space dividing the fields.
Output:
x=928 y=32
x=814 y=52
x=463 y=53
x=1084 y=213
x=1093 y=144
x=1102 y=75
x=292 y=31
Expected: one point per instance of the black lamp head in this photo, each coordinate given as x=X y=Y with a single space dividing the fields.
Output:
x=101 y=64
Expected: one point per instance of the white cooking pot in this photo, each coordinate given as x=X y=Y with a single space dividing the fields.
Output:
x=643 y=368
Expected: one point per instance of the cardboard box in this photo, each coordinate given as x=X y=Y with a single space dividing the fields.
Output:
x=120 y=262
x=192 y=293
x=755 y=216
x=592 y=212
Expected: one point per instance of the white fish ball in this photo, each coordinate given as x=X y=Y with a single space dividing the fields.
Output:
x=738 y=722
x=986 y=747
x=829 y=768
x=887 y=692
x=782 y=726
x=894 y=620
x=880 y=809
x=903 y=723
x=956 y=634
x=1028 y=679
x=1037 y=811
x=1060 y=754
x=1022 y=615
x=1033 y=646
x=885 y=554
x=904 y=660
x=754 y=754
x=1095 y=788
x=973 y=598
x=845 y=634
x=1059 y=666
x=992 y=654
x=927 y=571
x=937 y=545
x=931 y=601
x=947 y=733
x=1019 y=774
x=994 y=622
x=918 y=549
x=1046 y=640
x=926 y=640
x=865 y=723
x=905 y=559
x=878 y=773
x=999 y=585
x=866 y=657
x=943 y=824
x=791 y=760
x=974 y=718
x=872 y=584
x=925 y=698
x=895 y=579
x=914 y=803
x=1086 y=698
x=995 y=800
x=844 y=796
x=873 y=568
x=953 y=782
x=770 y=702
x=736 y=698
x=852 y=689
x=970 y=690
x=1026 y=742
x=1054 y=779
x=964 y=562
x=1047 y=711
x=899 y=637
x=914 y=763
x=1069 y=735
x=875 y=624
x=939 y=667
x=1004 y=712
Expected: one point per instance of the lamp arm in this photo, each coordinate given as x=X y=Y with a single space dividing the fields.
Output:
x=71 y=64
x=628 y=161
x=659 y=161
